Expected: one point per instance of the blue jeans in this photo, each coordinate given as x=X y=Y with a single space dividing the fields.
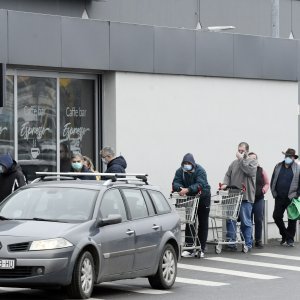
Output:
x=258 y=216
x=246 y=224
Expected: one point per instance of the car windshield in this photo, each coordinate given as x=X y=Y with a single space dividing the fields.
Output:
x=57 y=204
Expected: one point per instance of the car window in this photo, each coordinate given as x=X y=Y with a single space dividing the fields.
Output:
x=55 y=203
x=112 y=203
x=149 y=203
x=136 y=203
x=160 y=202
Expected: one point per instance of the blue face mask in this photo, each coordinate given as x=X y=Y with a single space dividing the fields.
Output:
x=187 y=167
x=288 y=161
x=77 y=166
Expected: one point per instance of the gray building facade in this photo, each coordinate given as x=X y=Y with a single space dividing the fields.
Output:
x=61 y=55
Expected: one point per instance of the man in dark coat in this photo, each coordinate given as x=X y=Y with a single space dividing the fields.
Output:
x=114 y=164
x=285 y=185
x=11 y=176
x=191 y=179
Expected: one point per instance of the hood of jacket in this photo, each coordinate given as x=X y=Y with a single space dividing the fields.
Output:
x=6 y=161
x=190 y=159
x=120 y=160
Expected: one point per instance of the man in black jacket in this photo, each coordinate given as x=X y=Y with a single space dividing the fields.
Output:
x=114 y=164
x=189 y=180
x=11 y=176
x=285 y=185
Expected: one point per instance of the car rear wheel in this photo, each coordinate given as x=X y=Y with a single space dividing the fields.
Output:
x=83 y=278
x=167 y=269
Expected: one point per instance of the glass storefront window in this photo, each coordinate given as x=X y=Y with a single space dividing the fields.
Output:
x=37 y=124
x=76 y=118
x=7 y=119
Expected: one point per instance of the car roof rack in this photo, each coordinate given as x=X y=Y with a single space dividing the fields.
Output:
x=112 y=177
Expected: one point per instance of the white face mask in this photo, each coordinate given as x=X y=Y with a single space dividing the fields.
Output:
x=104 y=161
x=1 y=169
x=187 y=167
x=288 y=160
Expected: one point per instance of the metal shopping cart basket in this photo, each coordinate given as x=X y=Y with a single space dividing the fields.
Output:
x=187 y=208
x=225 y=205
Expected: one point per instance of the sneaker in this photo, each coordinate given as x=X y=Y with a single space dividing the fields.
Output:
x=186 y=254
x=283 y=240
x=259 y=245
x=290 y=243
x=201 y=254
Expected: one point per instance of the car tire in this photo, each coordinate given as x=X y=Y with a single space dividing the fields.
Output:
x=167 y=269
x=83 y=278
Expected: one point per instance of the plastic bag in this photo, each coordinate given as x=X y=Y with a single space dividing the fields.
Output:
x=293 y=210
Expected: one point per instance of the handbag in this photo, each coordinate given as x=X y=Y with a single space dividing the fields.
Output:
x=293 y=209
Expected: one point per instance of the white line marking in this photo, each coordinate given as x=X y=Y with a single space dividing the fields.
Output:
x=200 y=282
x=227 y=272
x=273 y=255
x=130 y=288
x=255 y=263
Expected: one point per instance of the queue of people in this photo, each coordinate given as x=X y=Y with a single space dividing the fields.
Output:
x=244 y=172
x=12 y=176
x=191 y=179
x=76 y=162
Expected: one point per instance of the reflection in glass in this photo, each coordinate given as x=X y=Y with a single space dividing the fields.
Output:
x=77 y=116
x=7 y=119
x=36 y=124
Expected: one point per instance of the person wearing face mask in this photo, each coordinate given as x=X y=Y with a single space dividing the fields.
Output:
x=11 y=176
x=262 y=186
x=189 y=180
x=242 y=172
x=114 y=164
x=77 y=165
x=285 y=186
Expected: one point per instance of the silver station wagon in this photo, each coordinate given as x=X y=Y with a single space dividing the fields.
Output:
x=77 y=233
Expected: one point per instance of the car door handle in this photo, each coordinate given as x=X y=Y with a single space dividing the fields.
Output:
x=155 y=226
x=130 y=232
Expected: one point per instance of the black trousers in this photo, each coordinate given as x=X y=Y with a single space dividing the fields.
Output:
x=203 y=216
x=287 y=233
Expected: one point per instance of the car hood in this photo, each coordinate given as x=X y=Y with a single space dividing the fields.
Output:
x=36 y=229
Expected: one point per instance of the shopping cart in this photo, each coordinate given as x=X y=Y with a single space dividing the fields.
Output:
x=187 y=207
x=225 y=205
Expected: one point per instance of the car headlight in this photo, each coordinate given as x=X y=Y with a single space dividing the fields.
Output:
x=50 y=244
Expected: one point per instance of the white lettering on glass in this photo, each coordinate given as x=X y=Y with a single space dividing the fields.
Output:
x=2 y=129
x=75 y=112
x=74 y=133
x=34 y=111
x=27 y=131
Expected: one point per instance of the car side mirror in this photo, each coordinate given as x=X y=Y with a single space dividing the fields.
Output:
x=111 y=219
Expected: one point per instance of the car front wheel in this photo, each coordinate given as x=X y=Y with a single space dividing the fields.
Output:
x=83 y=278
x=167 y=269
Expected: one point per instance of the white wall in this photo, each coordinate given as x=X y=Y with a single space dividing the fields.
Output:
x=159 y=118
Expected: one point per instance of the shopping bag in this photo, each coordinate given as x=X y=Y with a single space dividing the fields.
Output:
x=293 y=210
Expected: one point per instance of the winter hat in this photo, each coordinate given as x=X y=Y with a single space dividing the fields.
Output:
x=6 y=161
x=190 y=159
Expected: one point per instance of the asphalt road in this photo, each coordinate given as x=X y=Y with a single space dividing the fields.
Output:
x=269 y=273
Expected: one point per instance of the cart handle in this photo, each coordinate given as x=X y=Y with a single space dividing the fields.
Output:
x=234 y=187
